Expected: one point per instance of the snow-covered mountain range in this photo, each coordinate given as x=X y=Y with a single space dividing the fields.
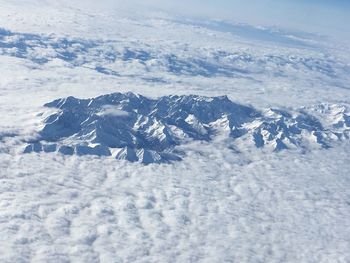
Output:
x=136 y=128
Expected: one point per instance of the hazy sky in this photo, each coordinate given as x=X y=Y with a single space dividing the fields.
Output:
x=324 y=16
x=330 y=17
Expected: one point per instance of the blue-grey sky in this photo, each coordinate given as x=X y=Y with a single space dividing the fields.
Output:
x=330 y=17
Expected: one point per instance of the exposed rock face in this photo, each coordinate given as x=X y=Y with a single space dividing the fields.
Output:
x=139 y=129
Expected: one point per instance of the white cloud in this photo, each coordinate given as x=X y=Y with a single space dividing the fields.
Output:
x=232 y=206
x=110 y=110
